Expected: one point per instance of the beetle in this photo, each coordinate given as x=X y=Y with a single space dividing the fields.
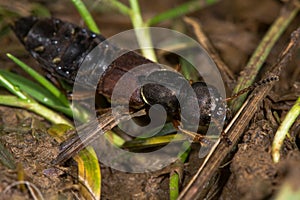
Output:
x=60 y=47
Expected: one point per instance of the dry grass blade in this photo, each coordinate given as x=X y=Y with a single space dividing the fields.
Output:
x=196 y=188
x=89 y=174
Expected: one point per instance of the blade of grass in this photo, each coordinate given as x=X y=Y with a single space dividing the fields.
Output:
x=174 y=186
x=157 y=131
x=89 y=173
x=283 y=130
x=86 y=16
x=36 y=91
x=180 y=10
x=175 y=177
x=21 y=176
x=113 y=138
x=63 y=105
x=35 y=107
x=42 y=80
x=136 y=14
x=154 y=141
x=122 y=8
x=12 y=88
x=143 y=35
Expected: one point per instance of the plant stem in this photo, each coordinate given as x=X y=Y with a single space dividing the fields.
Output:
x=86 y=16
x=136 y=13
x=283 y=130
x=174 y=186
x=120 y=7
x=143 y=35
x=175 y=177
x=34 y=107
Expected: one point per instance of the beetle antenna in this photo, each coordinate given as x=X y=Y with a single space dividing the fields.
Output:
x=252 y=87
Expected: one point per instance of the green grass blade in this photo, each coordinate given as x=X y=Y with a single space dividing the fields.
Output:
x=36 y=91
x=153 y=141
x=143 y=36
x=120 y=7
x=89 y=173
x=42 y=80
x=12 y=88
x=174 y=186
x=181 y=10
x=33 y=106
x=175 y=177
x=86 y=16
x=283 y=129
x=289 y=189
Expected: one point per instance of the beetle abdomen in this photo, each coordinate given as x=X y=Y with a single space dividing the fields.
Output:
x=58 y=46
x=61 y=47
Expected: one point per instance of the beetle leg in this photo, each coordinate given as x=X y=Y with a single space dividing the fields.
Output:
x=202 y=139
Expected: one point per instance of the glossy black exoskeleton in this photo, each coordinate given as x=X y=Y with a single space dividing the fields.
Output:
x=60 y=47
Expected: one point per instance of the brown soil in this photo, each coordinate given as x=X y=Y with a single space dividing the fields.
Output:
x=235 y=29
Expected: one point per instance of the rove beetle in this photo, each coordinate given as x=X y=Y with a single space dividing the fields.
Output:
x=60 y=47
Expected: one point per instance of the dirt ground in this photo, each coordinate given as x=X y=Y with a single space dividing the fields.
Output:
x=235 y=27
